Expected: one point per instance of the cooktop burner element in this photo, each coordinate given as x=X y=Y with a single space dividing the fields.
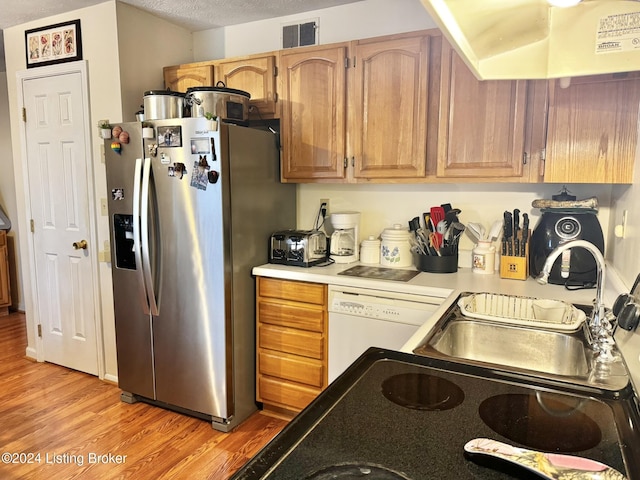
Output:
x=545 y=421
x=356 y=471
x=420 y=391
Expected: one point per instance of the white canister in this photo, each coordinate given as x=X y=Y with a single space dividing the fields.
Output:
x=370 y=251
x=484 y=258
x=395 y=249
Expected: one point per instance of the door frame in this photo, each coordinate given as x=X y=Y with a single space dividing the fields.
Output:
x=43 y=72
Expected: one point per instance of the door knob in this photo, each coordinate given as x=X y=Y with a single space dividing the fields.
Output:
x=82 y=244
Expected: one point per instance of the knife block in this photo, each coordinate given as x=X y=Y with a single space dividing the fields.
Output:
x=516 y=267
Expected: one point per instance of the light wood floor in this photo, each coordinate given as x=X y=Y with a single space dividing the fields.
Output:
x=51 y=414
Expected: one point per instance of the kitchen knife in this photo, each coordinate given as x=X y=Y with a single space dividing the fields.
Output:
x=525 y=235
x=516 y=227
x=508 y=232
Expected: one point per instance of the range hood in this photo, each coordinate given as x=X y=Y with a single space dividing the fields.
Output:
x=530 y=39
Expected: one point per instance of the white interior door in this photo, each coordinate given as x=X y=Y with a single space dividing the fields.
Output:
x=58 y=175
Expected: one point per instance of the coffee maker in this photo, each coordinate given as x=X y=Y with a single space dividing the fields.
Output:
x=344 y=240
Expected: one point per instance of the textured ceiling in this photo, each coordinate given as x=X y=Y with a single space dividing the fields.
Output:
x=193 y=15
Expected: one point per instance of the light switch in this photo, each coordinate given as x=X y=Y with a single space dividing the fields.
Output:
x=104 y=210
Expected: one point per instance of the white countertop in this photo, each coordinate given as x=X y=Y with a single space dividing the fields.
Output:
x=436 y=284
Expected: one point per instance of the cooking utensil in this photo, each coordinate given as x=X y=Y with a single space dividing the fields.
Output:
x=437 y=215
x=476 y=230
x=494 y=231
x=435 y=240
x=551 y=466
x=414 y=224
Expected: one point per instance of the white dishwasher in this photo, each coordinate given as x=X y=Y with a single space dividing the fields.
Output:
x=360 y=318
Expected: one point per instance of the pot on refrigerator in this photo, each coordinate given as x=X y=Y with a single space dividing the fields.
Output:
x=228 y=104
x=163 y=104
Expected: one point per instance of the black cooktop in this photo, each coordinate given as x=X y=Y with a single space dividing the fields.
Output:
x=397 y=416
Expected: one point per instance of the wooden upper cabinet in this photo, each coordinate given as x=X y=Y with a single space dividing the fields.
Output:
x=312 y=89
x=180 y=77
x=255 y=75
x=481 y=125
x=592 y=130
x=388 y=100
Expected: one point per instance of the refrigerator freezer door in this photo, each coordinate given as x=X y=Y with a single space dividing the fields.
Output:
x=133 y=325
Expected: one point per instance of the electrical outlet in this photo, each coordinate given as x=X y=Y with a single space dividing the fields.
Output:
x=326 y=202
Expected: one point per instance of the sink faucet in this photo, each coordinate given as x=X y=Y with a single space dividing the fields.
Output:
x=599 y=322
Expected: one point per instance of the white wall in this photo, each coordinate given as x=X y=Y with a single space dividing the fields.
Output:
x=625 y=252
x=8 y=195
x=146 y=43
x=381 y=206
x=369 y=18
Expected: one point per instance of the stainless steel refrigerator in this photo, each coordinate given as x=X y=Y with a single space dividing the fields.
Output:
x=191 y=211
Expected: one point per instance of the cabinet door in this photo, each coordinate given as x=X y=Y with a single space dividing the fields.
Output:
x=313 y=119
x=255 y=75
x=592 y=131
x=389 y=105
x=481 y=125
x=179 y=78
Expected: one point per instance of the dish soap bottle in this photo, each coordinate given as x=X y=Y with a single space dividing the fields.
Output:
x=484 y=257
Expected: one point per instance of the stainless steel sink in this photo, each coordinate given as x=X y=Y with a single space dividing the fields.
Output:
x=530 y=349
x=562 y=356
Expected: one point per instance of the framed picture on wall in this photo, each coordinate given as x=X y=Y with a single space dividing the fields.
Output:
x=53 y=44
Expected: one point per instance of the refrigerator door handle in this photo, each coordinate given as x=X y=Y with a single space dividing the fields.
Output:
x=137 y=244
x=146 y=264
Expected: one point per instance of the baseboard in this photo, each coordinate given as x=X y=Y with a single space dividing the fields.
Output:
x=111 y=379
x=31 y=353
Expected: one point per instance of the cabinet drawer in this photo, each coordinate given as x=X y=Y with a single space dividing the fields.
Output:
x=298 y=291
x=291 y=315
x=285 y=393
x=289 y=367
x=298 y=342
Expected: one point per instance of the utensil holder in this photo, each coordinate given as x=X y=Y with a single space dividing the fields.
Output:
x=436 y=264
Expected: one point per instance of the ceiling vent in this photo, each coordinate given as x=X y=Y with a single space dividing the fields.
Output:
x=300 y=34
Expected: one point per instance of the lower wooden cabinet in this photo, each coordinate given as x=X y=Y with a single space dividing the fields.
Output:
x=291 y=358
x=5 y=292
